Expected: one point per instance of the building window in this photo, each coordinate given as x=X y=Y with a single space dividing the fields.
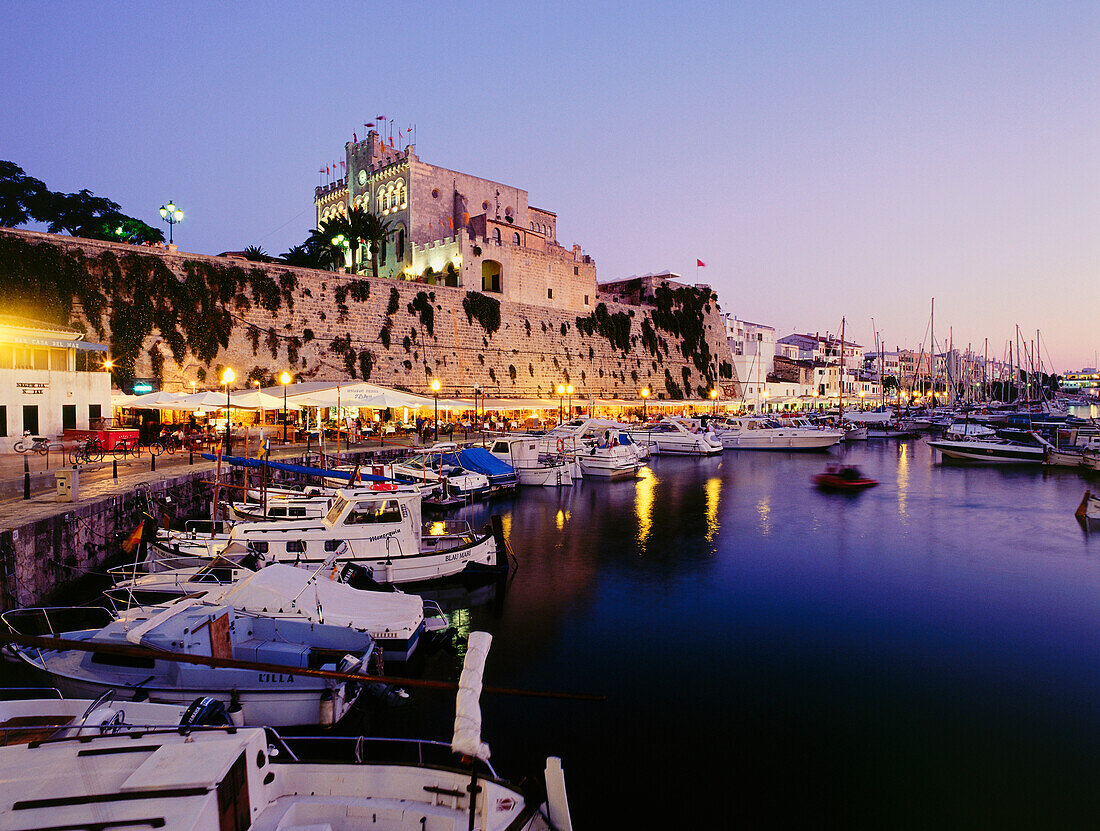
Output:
x=40 y=358
x=295 y=547
x=401 y=245
x=30 y=419
x=576 y=270
x=586 y=300
x=95 y=413
x=3 y=419
x=382 y=253
x=68 y=416
x=515 y=238
x=496 y=236
x=549 y=294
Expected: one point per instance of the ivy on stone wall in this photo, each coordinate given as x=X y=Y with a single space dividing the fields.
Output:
x=674 y=391
x=725 y=370
x=486 y=310
x=366 y=364
x=681 y=312
x=614 y=327
x=133 y=294
x=423 y=305
x=384 y=335
x=395 y=301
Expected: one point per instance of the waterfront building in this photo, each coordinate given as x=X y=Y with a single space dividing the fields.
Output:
x=452 y=228
x=818 y=347
x=752 y=346
x=51 y=380
x=1086 y=380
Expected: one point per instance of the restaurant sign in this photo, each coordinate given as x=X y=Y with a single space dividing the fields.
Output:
x=32 y=388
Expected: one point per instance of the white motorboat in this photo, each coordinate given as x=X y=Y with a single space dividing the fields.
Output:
x=378 y=526
x=854 y=432
x=135 y=587
x=597 y=448
x=676 y=435
x=991 y=451
x=966 y=429
x=769 y=434
x=215 y=779
x=532 y=466
x=298 y=507
x=218 y=631
x=40 y=714
x=431 y=468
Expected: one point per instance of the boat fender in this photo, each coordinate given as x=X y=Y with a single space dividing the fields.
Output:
x=236 y=711
x=328 y=709
x=383 y=486
x=561 y=445
x=207 y=711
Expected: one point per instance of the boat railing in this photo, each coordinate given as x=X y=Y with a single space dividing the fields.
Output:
x=363 y=750
x=195 y=527
x=433 y=614
x=29 y=693
x=51 y=621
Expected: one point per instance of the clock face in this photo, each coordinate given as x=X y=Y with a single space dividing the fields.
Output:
x=362 y=177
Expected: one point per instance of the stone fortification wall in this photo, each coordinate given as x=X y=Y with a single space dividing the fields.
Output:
x=327 y=326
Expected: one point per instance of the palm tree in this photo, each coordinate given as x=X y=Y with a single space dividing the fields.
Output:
x=321 y=240
x=300 y=255
x=256 y=253
x=370 y=229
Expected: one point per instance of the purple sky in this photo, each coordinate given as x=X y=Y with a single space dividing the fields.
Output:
x=824 y=160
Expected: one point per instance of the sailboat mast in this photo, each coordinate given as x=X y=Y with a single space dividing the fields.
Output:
x=932 y=351
x=840 y=393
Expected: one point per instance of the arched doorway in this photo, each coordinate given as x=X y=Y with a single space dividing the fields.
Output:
x=491 y=276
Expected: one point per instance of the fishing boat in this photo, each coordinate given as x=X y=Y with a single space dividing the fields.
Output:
x=676 y=435
x=430 y=467
x=990 y=451
x=378 y=526
x=843 y=478
x=743 y=433
x=532 y=466
x=217 y=779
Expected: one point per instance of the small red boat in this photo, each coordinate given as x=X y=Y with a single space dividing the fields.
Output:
x=843 y=478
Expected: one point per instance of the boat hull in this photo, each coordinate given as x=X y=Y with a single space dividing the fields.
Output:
x=778 y=441
x=973 y=451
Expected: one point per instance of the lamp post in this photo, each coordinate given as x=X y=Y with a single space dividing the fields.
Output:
x=477 y=391
x=714 y=401
x=284 y=379
x=341 y=242
x=435 y=394
x=569 y=392
x=227 y=379
x=561 y=398
x=170 y=214
x=645 y=397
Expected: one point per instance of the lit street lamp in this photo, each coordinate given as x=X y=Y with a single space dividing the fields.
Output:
x=561 y=398
x=284 y=379
x=170 y=214
x=227 y=379
x=569 y=392
x=645 y=396
x=342 y=242
x=714 y=400
x=435 y=394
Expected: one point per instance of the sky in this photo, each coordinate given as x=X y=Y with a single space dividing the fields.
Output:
x=824 y=160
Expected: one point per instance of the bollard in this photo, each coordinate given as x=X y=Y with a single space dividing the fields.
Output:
x=26 y=485
x=47 y=456
x=190 y=457
x=114 y=468
x=152 y=461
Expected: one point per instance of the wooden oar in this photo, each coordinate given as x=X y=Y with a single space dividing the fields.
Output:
x=129 y=651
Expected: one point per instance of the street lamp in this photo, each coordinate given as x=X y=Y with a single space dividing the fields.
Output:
x=569 y=392
x=342 y=242
x=477 y=391
x=170 y=214
x=435 y=394
x=645 y=397
x=284 y=379
x=714 y=400
x=561 y=396
x=227 y=379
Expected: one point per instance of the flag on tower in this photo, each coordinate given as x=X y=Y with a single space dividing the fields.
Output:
x=699 y=263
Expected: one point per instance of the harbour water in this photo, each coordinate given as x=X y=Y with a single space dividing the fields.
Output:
x=923 y=653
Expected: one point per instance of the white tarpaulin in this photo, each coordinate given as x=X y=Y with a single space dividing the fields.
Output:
x=258 y=400
x=467 y=739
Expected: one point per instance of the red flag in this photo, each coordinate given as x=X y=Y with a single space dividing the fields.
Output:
x=451 y=220
x=354 y=137
x=131 y=542
x=699 y=263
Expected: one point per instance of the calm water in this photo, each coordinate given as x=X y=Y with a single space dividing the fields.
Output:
x=926 y=652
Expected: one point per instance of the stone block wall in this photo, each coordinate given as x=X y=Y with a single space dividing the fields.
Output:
x=337 y=337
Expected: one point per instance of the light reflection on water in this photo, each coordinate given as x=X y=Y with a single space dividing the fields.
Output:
x=866 y=653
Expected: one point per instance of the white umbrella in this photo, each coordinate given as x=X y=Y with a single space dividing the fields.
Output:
x=258 y=400
x=159 y=400
x=361 y=395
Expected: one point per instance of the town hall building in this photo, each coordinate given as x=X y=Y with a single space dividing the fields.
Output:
x=451 y=228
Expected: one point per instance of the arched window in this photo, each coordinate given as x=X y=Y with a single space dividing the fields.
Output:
x=515 y=238
x=496 y=236
x=380 y=200
x=401 y=245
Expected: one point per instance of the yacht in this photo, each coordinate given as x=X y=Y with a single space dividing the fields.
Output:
x=676 y=435
x=743 y=433
x=597 y=447
x=990 y=451
x=214 y=779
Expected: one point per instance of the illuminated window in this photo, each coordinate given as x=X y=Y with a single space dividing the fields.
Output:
x=515 y=238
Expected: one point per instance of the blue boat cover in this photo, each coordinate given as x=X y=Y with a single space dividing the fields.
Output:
x=306 y=470
x=479 y=460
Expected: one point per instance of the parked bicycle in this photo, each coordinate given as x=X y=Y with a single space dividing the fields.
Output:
x=29 y=444
x=89 y=452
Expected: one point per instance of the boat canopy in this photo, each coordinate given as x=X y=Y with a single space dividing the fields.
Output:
x=479 y=460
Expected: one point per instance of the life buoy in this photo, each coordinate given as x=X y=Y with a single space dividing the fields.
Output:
x=383 y=486
x=561 y=445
